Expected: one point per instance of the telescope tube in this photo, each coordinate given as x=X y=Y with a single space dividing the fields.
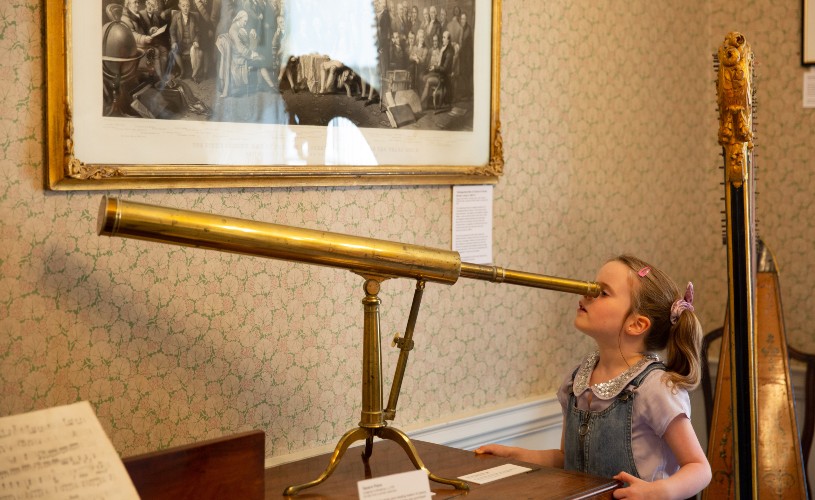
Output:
x=364 y=256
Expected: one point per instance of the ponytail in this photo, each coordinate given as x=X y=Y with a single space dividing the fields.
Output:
x=682 y=351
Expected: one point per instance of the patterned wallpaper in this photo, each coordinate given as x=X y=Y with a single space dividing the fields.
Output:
x=609 y=135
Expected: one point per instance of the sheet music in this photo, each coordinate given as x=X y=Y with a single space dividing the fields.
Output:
x=60 y=453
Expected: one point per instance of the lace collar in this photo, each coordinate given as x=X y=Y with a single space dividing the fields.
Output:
x=609 y=389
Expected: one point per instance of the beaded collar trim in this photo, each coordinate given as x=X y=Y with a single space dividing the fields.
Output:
x=609 y=389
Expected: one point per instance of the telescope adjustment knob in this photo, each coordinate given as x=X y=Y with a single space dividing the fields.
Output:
x=372 y=286
x=401 y=343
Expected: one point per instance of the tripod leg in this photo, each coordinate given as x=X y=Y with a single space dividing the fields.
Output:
x=402 y=440
x=345 y=441
x=369 y=448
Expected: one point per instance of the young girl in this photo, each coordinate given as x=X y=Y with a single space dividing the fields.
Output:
x=626 y=410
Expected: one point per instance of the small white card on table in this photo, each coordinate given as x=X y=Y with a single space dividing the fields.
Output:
x=494 y=474
x=413 y=485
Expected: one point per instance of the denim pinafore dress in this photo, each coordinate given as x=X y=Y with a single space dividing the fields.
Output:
x=599 y=442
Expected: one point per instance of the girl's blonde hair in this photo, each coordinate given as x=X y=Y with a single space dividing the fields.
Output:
x=653 y=293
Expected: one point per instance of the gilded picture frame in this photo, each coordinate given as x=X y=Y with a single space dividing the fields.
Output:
x=807 y=32
x=102 y=133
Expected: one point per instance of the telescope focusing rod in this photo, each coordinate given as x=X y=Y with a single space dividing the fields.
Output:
x=497 y=274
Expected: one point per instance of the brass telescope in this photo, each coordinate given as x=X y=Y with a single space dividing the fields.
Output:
x=375 y=260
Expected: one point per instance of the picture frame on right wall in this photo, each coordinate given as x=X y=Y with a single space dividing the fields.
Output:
x=808 y=33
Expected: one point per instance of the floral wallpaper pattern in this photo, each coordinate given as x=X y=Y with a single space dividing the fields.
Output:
x=608 y=114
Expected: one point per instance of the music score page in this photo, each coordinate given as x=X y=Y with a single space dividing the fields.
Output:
x=60 y=453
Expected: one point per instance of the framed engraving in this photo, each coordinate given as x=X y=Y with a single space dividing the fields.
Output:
x=151 y=94
x=808 y=32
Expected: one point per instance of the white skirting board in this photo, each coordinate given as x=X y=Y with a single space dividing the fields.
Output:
x=532 y=424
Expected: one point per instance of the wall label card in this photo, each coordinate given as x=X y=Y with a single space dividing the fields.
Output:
x=472 y=223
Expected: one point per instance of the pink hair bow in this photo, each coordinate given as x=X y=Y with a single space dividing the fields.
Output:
x=682 y=304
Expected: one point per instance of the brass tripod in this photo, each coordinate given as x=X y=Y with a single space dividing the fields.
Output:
x=372 y=423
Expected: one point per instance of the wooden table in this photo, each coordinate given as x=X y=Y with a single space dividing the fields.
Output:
x=389 y=458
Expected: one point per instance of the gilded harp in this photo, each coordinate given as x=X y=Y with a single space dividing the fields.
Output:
x=753 y=447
